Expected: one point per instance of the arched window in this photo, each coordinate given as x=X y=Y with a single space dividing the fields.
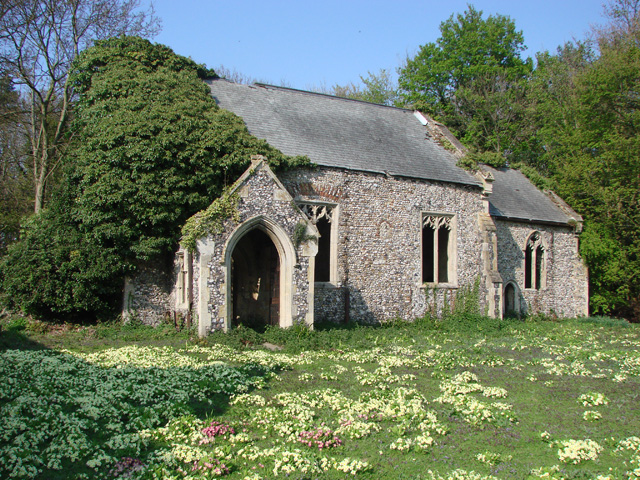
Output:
x=324 y=217
x=534 y=267
x=438 y=249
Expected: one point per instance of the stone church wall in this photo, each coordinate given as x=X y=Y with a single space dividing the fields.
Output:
x=259 y=197
x=149 y=295
x=377 y=251
x=379 y=245
x=564 y=291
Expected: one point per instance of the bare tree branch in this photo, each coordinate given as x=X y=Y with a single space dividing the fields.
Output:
x=39 y=39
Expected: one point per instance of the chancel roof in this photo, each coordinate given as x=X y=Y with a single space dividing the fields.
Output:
x=514 y=197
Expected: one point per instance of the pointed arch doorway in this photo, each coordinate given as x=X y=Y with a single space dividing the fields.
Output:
x=259 y=260
x=255 y=281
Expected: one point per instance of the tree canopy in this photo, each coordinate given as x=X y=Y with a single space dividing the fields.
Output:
x=150 y=149
x=39 y=40
x=470 y=78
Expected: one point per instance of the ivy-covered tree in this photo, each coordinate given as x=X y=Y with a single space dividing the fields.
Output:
x=151 y=148
x=471 y=78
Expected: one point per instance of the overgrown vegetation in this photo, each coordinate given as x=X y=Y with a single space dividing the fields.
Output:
x=210 y=220
x=427 y=399
x=300 y=235
x=569 y=121
x=151 y=148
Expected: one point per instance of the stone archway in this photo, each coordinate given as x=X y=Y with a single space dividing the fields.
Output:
x=259 y=259
x=255 y=281
x=511 y=300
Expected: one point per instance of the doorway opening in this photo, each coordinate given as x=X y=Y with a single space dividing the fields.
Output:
x=255 y=281
x=511 y=301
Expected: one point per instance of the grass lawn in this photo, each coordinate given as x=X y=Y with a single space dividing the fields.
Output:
x=463 y=398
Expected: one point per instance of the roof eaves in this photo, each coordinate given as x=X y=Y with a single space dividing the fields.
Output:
x=533 y=220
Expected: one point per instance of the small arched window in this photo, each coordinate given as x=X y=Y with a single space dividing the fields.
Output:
x=534 y=267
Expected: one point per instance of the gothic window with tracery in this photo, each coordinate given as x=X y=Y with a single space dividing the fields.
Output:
x=437 y=249
x=323 y=217
x=534 y=265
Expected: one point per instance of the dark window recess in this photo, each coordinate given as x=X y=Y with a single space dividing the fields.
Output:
x=443 y=255
x=428 y=246
x=528 y=272
x=323 y=258
x=539 y=257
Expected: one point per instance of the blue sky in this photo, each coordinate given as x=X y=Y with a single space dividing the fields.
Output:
x=307 y=44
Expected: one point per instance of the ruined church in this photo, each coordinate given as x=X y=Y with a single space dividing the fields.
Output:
x=384 y=225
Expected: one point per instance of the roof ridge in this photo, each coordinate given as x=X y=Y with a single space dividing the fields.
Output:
x=335 y=97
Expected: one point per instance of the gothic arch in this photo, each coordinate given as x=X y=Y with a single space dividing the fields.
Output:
x=535 y=261
x=511 y=299
x=287 y=260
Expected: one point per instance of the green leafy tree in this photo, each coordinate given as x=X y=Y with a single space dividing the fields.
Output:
x=151 y=148
x=602 y=178
x=376 y=88
x=582 y=128
x=551 y=119
x=55 y=271
x=471 y=78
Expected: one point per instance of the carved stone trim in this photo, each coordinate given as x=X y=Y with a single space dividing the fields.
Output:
x=535 y=241
x=437 y=221
x=315 y=211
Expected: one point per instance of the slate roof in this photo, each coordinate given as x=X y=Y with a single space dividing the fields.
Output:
x=342 y=133
x=514 y=197
x=355 y=135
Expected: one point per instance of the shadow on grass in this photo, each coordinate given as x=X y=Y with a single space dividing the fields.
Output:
x=14 y=338
x=143 y=397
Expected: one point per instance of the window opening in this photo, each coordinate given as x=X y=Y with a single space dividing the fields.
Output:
x=436 y=249
x=539 y=254
x=322 y=216
x=528 y=274
x=323 y=257
x=534 y=262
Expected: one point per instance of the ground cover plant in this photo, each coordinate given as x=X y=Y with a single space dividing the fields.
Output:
x=466 y=397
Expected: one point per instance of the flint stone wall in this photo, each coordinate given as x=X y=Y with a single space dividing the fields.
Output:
x=379 y=247
x=379 y=252
x=150 y=295
x=259 y=196
x=565 y=289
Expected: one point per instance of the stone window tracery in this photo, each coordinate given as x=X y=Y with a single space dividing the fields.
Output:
x=534 y=262
x=324 y=216
x=438 y=249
